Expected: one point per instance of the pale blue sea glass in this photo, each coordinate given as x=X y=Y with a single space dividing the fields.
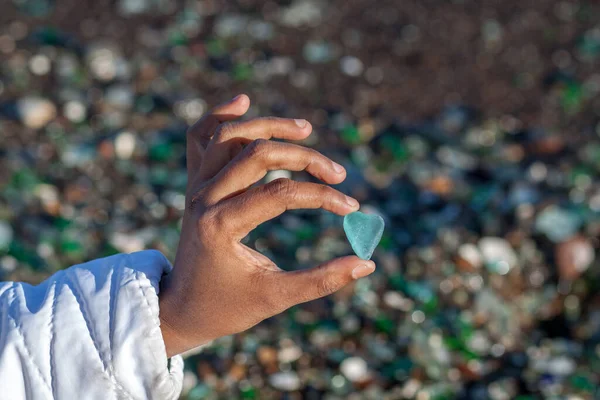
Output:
x=363 y=232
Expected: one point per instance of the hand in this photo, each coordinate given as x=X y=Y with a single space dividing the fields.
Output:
x=219 y=286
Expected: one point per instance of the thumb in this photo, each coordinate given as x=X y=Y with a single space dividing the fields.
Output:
x=325 y=279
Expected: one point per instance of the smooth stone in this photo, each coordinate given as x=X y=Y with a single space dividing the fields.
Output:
x=469 y=257
x=557 y=223
x=6 y=235
x=285 y=381
x=125 y=145
x=574 y=257
x=355 y=369
x=498 y=254
x=289 y=353
x=363 y=232
x=36 y=112
x=133 y=7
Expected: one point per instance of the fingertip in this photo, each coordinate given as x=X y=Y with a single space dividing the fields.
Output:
x=352 y=203
x=356 y=261
x=305 y=128
x=232 y=109
x=339 y=177
x=365 y=269
x=330 y=177
x=336 y=179
x=345 y=209
x=348 y=261
x=242 y=98
x=301 y=123
x=355 y=267
x=242 y=101
x=309 y=127
x=338 y=168
x=341 y=208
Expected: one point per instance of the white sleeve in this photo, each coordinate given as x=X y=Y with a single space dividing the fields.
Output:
x=91 y=331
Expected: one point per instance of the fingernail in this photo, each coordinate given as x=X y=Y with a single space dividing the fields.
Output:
x=300 y=122
x=338 y=168
x=236 y=98
x=351 y=202
x=362 y=270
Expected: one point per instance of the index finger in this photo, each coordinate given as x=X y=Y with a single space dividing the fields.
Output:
x=266 y=202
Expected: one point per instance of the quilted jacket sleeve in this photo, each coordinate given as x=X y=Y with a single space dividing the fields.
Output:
x=88 y=332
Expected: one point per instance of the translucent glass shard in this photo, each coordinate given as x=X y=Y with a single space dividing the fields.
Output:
x=363 y=232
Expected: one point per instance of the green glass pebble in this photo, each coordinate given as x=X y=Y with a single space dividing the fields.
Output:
x=363 y=232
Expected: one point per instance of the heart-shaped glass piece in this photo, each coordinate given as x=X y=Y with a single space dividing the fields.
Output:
x=363 y=232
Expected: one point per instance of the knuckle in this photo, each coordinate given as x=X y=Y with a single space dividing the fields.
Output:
x=225 y=131
x=271 y=118
x=257 y=148
x=282 y=188
x=192 y=130
x=271 y=301
x=307 y=156
x=311 y=153
x=198 y=198
x=326 y=191
x=210 y=221
x=219 y=216
x=323 y=194
x=269 y=124
x=327 y=286
x=330 y=195
x=314 y=155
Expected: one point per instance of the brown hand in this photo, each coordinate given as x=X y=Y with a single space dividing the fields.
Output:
x=219 y=286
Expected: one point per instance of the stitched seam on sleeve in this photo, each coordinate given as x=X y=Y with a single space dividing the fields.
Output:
x=5 y=299
x=114 y=279
x=138 y=279
x=19 y=330
x=114 y=293
x=52 y=339
x=149 y=311
x=81 y=302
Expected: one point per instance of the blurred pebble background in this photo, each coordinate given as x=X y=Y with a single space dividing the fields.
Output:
x=471 y=126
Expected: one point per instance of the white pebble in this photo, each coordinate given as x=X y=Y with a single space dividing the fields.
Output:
x=355 y=369
x=562 y=366
x=36 y=112
x=498 y=253
x=351 y=66
x=6 y=235
x=286 y=381
x=470 y=253
x=8 y=264
x=74 y=111
x=39 y=64
x=125 y=145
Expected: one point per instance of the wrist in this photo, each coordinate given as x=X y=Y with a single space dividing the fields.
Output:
x=174 y=344
x=173 y=328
